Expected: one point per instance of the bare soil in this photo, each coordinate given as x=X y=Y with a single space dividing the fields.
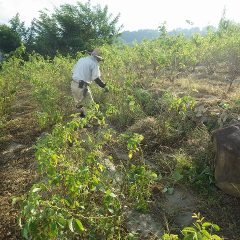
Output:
x=17 y=164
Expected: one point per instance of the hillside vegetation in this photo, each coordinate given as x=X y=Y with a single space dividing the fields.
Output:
x=150 y=136
x=130 y=37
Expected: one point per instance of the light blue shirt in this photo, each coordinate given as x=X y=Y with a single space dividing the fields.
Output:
x=86 y=69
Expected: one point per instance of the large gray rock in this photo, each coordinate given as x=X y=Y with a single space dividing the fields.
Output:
x=227 y=165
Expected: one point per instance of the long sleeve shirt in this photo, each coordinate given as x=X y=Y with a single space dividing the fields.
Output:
x=86 y=69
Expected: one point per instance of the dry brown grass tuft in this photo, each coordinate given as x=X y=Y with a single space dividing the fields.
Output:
x=150 y=129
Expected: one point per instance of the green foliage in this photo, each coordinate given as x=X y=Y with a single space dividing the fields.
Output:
x=140 y=180
x=219 y=50
x=193 y=172
x=19 y=28
x=179 y=105
x=77 y=196
x=63 y=206
x=180 y=55
x=9 y=39
x=192 y=162
x=49 y=81
x=9 y=83
x=146 y=100
x=133 y=143
x=201 y=230
x=71 y=28
x=168 y=56
x=129 y=37
x=121 y=105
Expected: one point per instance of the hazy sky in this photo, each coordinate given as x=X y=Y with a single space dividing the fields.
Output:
x=136 y=14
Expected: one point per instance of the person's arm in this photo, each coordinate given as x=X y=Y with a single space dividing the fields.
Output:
x=96 y=75
x=100 y=83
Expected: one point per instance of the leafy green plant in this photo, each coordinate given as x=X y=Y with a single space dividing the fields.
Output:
x=133 y=143
x=77 y=196
x=10 y=82
x=47 y=79
x=179 y=104
x=140 y=180
x=200 y=230
x=60 y=205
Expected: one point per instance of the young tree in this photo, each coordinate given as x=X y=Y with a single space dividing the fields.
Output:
x=18 y=27
x=9 y=39
x=47 y=36
x=73 y=28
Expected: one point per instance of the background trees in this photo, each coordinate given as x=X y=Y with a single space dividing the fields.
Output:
x=83 y=27
x=9 y=39
x=70 y=28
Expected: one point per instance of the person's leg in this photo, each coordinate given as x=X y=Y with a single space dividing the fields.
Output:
x=88 y=99
x=87 y=102
x=80 y=110
x=78 y=95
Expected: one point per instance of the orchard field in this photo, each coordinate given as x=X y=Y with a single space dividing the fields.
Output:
x=147 y=162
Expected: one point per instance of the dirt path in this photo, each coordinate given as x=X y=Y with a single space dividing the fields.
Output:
x=17 y=167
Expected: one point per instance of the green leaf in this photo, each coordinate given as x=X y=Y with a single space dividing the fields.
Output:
x=170 y=237
x=216 y=227
x=170 y=191
x=177 y=176
x=111 y=210
x=54 y=229
x=61 y=221
x=206 y=233
x=113 y=195
x=154 y=175
x=110 y=193
x=216 y=237
x=130 y=155
x=189 y=237
x=198 y=236
x=79 y=225
x=207 y=224
x=70 y=224
x=15 y=200
x=36 y=190
x=25 y=232
x=188 y=230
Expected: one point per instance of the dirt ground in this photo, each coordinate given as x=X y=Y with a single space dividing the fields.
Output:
x=17 y=166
